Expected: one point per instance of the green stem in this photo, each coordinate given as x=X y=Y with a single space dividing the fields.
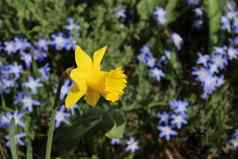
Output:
x=29 y=150
x=13 y=140
x=50 y=136
x=52 y=123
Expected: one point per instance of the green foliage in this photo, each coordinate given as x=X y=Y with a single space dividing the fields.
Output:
x=145 y=8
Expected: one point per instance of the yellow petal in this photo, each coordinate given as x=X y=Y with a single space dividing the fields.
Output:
x=115 y=82
x=75 y=94
x=98 y=56
x=92 y=97
x=82 y=59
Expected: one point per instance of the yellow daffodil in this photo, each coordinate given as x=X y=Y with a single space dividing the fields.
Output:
x=90 y=81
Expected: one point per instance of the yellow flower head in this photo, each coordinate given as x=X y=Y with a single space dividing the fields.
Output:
x=90 y=81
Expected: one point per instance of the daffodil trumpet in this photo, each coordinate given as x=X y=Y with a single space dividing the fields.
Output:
x=92 y=82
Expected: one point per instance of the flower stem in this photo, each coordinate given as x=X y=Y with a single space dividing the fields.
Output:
x=29 y=150
x=52 y=122
x=13 y=140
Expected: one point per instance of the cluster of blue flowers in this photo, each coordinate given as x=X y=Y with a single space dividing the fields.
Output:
x=154 y=65
x=146 y=57
x=209 y=73
x=229 y=22
x=14 y=75
x=170 y=122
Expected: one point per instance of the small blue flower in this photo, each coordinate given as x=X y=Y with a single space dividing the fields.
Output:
x=178 y=120
x=42 y=44
x=160 y=15
x=27 y=58
x=164 y=117
x=26 y=101
x=71 y=25
x=33 y=84
x=44 y=71
x=21 y=44
x=177 y=40
x=65 y=88
x=166 y=132
x=59 y=41
x=225 y=24
x=121 y=13
x=157 y=73
x=193 y=2
x=218 y=62
x=9 y=47
x=61 y=117
x=179 y=106
x=232 y=53
x=19 y=137
x=146 y=56
x=70 y=43
x=17 y=116
x=115 y=141
x=203 y=59
x=39 y=55
x=132 y=145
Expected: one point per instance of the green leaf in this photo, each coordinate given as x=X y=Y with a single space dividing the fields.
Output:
x=116 y=131
x=214 y=12
x=146 y=7
x=170 y=9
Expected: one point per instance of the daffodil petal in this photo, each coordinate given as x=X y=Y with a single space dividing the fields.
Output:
x=82 y=59
x=75 y=94
x=115 y=83
x=98 y=56
x=92 y=97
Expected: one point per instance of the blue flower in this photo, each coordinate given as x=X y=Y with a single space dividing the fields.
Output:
x=17 y=116
x=61 y=117
x=132 y=145
x=178 y=120
x=19 y=137
x=59 y=41
x=26 y=101
x=42 y=44
x=33 y=84
x=70 y=43
x=115 y=141
x=218 y=62
x=65 y=88
x=160 y=15
x=164 y=117
x=232 y=53
x=179 y=106
x=203 y=59
x=234 y=139
x=21 y=44
x=225 y=24
x=9 y=47
x=27 y=58
x=193 y=2
x=177 y=40
x=146 y=56
x=157 y=73
x=71 y=25
x=44 y=71
x=166 y=132
x=121 y=13
x=39 y=55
